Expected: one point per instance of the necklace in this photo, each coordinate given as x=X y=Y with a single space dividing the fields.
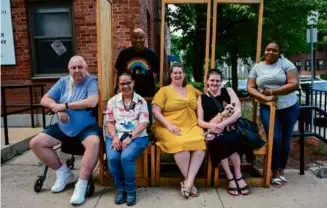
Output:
x=128 y=106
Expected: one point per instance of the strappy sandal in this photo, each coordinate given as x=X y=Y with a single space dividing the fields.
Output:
x=242 y=189
x=230 y=189
x=276 y=182
x=283 y=180
x=185 y=191
x=194 y=192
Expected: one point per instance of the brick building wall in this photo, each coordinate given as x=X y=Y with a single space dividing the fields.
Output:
x=302 y=58
x=126 y=14
x=85 y=41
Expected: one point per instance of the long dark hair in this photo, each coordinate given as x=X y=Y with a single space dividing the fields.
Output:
x=171 y=71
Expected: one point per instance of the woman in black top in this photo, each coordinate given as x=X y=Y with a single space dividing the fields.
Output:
x=226 y=144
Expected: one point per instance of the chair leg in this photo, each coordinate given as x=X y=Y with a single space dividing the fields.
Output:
x=146 y=165
x=158 y=152
x=153 y=165
x=209 y=173
x=216 y=177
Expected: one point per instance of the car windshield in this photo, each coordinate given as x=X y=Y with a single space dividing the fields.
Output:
x=320 y=86
x=242 y=84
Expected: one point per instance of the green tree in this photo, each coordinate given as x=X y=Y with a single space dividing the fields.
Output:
x=284 y=21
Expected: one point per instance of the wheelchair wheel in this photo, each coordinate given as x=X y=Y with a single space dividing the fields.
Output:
x=38 y=185
x=90 y=189
x=70 y=163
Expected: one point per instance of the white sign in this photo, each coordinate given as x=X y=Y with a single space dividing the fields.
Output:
x=314 y=35
x=58 y=47
x=7 y=39
x=312 y=18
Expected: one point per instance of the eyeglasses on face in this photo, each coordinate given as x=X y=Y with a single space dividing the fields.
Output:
x=122 y=84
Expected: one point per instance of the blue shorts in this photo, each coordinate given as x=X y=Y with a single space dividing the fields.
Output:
x=55 y=132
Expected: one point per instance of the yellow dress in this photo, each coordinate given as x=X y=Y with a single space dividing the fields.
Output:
x=180 y=111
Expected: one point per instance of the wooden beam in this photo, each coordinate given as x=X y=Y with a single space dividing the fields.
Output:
x=185 y=1
x=162 y=43
x=237 y=1
x=206 y=61
x=259 y=40
x=270 y=143
x=213 y=38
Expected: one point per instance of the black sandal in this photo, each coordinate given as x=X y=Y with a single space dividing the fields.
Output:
x=230 y=189
x=245 y=188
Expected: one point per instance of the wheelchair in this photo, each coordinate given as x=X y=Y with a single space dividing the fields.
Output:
x=73 y=147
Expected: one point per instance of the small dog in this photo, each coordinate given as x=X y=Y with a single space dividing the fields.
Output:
x=228 y=111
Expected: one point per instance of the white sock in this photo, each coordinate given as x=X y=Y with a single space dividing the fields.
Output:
x=63 y=168
x=82 y=182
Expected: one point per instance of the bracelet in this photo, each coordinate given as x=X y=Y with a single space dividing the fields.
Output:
x=66 y=104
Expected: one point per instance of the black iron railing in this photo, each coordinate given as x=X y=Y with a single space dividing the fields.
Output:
x=26 y=107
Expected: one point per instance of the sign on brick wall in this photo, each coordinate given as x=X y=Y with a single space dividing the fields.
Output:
x=7 y=39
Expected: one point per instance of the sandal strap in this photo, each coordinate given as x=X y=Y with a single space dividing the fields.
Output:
x=238 y=179
x=230 y=179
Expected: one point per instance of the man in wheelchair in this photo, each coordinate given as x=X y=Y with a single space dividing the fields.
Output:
x=71 y=99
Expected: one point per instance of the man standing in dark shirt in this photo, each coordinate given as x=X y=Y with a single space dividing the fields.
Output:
x=141 y=62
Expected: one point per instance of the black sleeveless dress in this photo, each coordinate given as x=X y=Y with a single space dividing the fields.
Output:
x=224 y=145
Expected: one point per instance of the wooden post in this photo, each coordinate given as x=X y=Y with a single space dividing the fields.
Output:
x=162 y=42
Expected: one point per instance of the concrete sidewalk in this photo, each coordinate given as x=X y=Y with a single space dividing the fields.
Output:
x=19 y=174
x=18 y=141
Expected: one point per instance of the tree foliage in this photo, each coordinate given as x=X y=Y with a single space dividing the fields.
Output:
x=284 y=21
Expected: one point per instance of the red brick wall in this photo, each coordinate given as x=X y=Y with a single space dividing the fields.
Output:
x=303 y=57
x=84 y=13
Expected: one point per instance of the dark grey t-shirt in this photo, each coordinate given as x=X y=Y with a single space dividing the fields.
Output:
x=274 y=76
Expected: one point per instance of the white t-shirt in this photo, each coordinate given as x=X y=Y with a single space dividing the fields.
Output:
x=274 y=76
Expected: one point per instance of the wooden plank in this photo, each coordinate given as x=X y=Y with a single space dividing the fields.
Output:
x=104 y=66
x=238 y=1
x=259 y=40
x=158 y=152
x=145 y=163
x=186 y=1
x=213 y=38
x=270 y=143
x=153 y=165
x=261 y=151
x=162 y=42
x=209 y=171
x=206 y=61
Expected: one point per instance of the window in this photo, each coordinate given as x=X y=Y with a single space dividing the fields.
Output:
x=298 y=65
x=308 y=65
x=320 y=64
x=52 y=42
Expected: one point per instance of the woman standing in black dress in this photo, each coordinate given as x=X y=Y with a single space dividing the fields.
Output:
x=226 y=144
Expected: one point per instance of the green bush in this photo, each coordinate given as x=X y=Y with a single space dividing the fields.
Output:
x=323 y=76
x=198 y=85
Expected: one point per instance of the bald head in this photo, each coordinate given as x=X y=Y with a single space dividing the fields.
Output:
x=138 y=39
x=78 y=68
x=77 y=58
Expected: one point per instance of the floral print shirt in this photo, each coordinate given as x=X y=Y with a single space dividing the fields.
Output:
x=126 y=121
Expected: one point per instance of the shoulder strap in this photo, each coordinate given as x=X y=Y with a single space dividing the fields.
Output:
x=218 y=105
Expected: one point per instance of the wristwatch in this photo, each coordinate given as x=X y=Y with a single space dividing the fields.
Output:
x=66 y=104
x=130 y=135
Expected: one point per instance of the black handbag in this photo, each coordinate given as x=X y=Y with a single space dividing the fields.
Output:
x=248 y=129
x=250 y=132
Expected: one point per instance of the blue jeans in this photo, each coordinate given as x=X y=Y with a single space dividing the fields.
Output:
x=285 y=120
x=122 y=163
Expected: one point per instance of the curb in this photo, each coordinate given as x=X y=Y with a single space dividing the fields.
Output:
x=15 y=149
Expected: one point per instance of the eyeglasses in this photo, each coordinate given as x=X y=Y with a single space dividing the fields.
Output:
x=125 y=84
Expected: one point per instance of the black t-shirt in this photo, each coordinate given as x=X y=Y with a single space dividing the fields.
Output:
x=141 y=65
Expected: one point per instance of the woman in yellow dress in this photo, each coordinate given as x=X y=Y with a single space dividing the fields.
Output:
x=176 y=128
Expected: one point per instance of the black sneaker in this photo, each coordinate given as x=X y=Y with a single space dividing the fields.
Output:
x=131 y=199
x=120 y=198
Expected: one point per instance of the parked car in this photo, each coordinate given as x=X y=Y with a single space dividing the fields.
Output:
x=321 y=88
x=242 y=87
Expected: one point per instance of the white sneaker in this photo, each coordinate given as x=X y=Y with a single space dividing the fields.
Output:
x=63 y=178
x=78 y=196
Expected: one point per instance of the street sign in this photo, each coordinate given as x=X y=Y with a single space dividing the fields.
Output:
x=312 y=18
x=314 y=35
